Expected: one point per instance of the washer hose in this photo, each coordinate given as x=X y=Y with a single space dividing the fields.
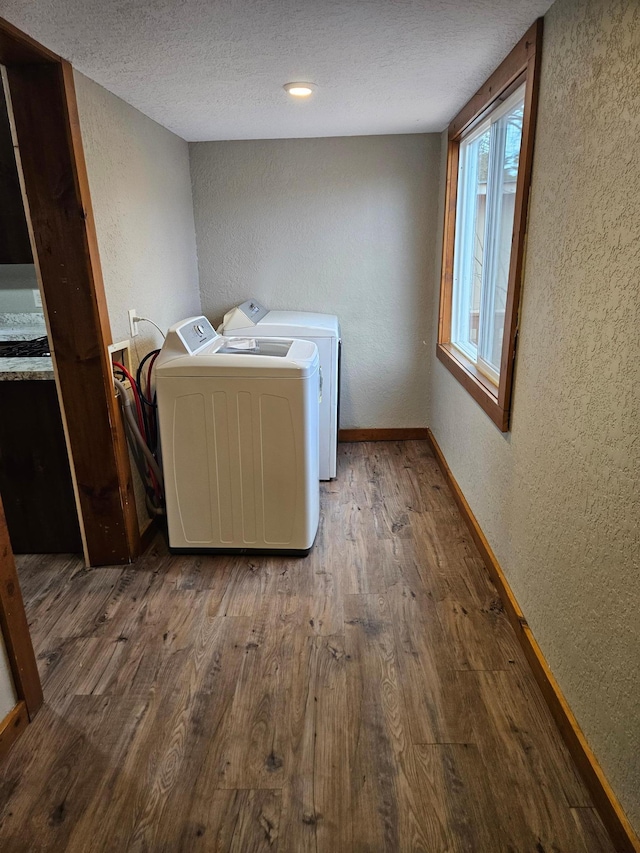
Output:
x=133 y=426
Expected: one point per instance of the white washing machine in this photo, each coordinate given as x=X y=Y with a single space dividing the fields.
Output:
x=252 y=318
x=239 y=436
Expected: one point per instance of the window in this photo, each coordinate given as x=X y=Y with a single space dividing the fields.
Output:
x=488 y=177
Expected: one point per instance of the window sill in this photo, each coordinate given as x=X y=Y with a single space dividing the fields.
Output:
x=479 y=386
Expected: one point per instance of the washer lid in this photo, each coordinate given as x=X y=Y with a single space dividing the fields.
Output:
x=258 y=357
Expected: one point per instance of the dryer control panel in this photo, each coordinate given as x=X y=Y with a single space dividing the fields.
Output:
x=196 y=333
x=246 y=314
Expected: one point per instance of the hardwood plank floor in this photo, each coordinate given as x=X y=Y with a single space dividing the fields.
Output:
x=371 y=697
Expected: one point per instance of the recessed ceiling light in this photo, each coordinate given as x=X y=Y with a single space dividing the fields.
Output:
x=299 y=90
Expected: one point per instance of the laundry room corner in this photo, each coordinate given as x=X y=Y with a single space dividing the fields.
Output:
x=338 y=225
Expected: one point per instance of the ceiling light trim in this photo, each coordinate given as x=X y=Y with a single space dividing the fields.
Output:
x=300 y=89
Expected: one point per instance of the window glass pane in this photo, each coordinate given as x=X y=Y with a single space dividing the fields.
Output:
x=504 y=155
x=469 y=246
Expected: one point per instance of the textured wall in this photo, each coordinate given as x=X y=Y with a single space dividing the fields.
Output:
x=559 y=497
x=141 y=195
x=340 y=225
x=7 y=692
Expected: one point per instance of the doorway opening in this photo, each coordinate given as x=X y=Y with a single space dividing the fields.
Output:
x=35 y=475
x=41 y=106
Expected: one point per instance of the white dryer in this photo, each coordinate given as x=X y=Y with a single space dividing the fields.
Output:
x=252 y=318
x=239 y=437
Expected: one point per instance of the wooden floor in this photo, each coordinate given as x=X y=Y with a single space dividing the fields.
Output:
x=371 y=697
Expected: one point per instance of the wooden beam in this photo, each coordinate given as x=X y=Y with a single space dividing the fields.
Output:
x=59 y=206
x=15 y=629
x=389 y=434
x=604 y=799
x=17 y=47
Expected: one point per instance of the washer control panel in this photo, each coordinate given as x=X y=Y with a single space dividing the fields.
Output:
x=196 y=333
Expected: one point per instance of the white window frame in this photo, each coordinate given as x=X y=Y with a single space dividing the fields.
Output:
x=461 y=277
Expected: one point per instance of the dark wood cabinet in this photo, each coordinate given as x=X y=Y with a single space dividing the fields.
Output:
x=15 y=247
x=35 y=478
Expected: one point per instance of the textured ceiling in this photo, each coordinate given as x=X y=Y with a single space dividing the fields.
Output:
x=214 y=70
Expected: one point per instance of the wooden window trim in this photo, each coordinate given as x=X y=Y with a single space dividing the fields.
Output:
x=522 y=65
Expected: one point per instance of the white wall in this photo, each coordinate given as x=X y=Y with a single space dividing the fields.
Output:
x=559 y=496
x=7 y=692
x=338 y=225
x=141 y=194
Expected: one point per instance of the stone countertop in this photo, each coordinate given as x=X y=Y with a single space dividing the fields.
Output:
x=15 y=328
x=17 y=369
